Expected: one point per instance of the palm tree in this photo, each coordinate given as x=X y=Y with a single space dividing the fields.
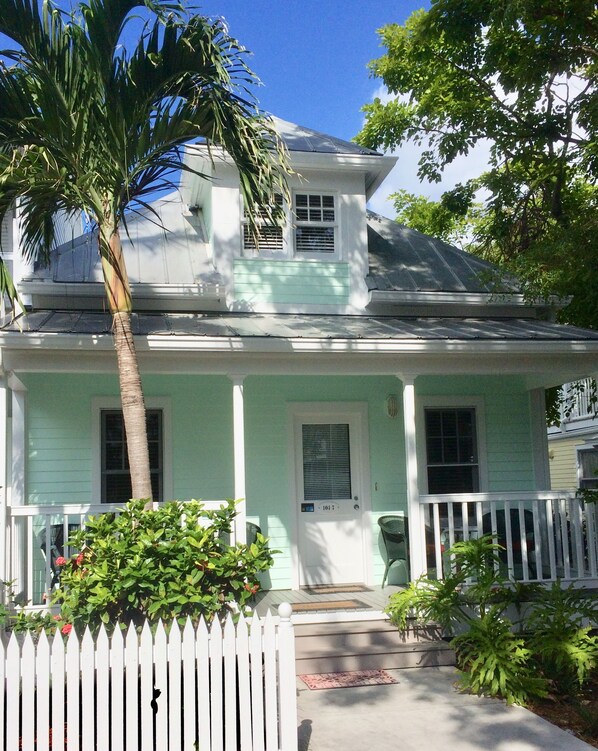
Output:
x=89 y=125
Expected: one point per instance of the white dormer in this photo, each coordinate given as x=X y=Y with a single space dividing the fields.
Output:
x=318 y=261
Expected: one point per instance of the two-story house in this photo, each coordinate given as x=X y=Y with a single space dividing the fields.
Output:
x=347 y=369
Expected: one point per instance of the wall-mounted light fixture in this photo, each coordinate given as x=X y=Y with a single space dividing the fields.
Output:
x=392 y=406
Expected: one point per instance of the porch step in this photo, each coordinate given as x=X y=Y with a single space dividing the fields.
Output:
x=367 y=645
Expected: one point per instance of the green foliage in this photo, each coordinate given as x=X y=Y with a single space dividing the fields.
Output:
x=560 y=637
x=518 y=656
x=522 y=77
x=169 y=562
x=496 y=662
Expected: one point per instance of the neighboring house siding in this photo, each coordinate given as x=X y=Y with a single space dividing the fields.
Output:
x=288 y=282
x=563 y=463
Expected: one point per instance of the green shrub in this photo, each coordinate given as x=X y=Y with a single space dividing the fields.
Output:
x=494 y=661
x=547 y=644
x=559 y=626
x=170 y=562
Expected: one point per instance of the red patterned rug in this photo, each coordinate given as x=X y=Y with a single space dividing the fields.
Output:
x=347 y=680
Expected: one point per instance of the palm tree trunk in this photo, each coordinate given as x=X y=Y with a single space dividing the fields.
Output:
x=133 y=406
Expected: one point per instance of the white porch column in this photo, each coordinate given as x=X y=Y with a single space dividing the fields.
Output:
x=239 y=457
x=3 y=482
x=417 y=563
x=539 y=439
x=17 y=563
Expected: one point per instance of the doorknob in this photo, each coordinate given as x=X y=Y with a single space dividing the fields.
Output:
x=356 y=506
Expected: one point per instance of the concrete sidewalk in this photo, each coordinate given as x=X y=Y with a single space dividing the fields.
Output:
x=422 y=711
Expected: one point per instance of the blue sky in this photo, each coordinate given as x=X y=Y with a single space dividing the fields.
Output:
x=312 y=57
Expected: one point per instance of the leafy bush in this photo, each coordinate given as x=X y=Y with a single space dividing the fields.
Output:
x=496 y=662
x=561 y=639
x=170 y=562
x=547 y=645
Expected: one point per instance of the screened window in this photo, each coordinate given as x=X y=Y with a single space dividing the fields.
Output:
x=315 y=223
x=116 y=477
x=588 y=468
x=267 y=239
x=326 y=462
x=451 y=451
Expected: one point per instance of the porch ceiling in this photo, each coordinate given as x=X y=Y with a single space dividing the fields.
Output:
x=545 y=353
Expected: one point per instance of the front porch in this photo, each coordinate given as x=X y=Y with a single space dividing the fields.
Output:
x=547 y=536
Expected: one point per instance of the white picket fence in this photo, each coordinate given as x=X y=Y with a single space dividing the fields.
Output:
x=217 y=689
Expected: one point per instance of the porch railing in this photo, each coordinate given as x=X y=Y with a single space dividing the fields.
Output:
x=37 y=535
x=546 y=535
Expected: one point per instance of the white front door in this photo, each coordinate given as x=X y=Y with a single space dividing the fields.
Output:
x=329 y=460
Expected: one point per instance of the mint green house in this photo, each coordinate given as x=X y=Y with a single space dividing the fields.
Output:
x=352 y=368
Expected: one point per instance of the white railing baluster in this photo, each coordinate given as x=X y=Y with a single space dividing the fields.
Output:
x=437 y=541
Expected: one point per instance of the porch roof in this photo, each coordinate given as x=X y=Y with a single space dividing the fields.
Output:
x=297 y=326
x=542 y=353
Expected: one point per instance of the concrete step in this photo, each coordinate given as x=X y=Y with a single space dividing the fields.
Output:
x=366 y=645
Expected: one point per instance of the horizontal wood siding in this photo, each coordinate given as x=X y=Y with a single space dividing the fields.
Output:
x=288 y=282
x=563 y=463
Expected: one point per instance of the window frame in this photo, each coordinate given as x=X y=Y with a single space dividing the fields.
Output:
x=297 y=224
x=580 y=478
x=476 y=403
x=252 y=252
x=111 y=403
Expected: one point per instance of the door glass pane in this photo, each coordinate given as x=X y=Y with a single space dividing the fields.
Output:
x=326 y=462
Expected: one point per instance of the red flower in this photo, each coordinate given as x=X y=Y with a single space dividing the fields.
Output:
x=61 y=560
x=79 y=559
x=66 y=629
x=57 y=617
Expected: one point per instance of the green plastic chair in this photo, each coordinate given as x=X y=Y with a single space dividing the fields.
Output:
x=395 y=534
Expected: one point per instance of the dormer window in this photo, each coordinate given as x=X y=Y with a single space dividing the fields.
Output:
x=270 y=237
x=315 y=224
x=310 y=229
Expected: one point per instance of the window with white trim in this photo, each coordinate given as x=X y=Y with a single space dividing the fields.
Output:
x=265 y=238
x=315 y=217
x=452 y=462
x=114 y=469
x=588 y=468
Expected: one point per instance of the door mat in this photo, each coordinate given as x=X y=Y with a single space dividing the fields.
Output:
x=352 y=679
x=302 y=607
x=334 y=589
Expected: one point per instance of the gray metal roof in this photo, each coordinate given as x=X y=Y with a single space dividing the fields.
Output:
x=168 y=247
x=281 y=326
x=402 y=259
x=299 y=138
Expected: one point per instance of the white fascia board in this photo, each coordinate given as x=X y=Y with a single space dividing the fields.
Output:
x=62 y=290
x=301 y=345
x=376 y=167
x=397 y=297
x=459 y=298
